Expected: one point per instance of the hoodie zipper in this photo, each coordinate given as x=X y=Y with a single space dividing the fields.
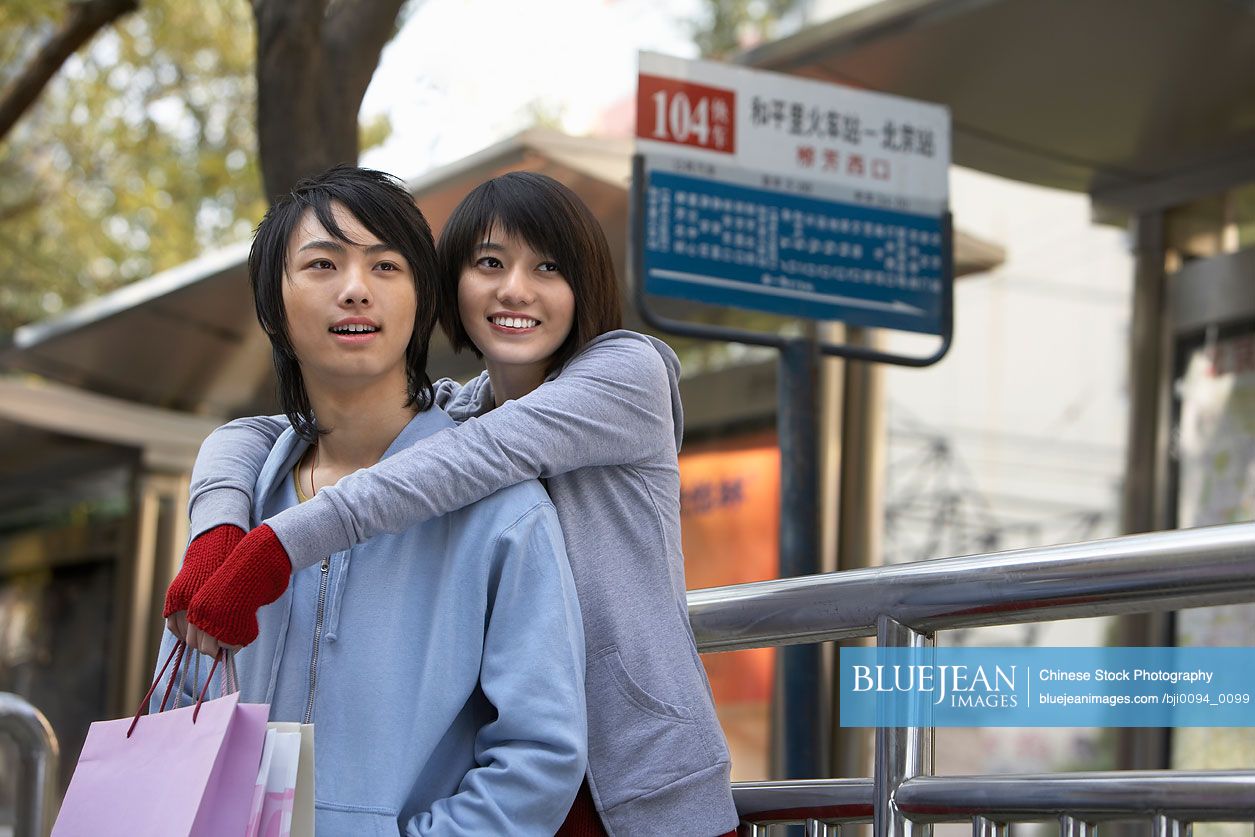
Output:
x=318 y=622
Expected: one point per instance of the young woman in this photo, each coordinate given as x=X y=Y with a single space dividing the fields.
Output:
x=591 y=410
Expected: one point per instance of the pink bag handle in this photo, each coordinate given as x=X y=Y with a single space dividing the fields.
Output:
x=222 y=652
x=179 y=648
x=230 y=681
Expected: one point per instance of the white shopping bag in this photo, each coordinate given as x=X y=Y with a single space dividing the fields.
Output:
x=276 y=805
x=303 y=799
x=259 y=787
x=283 y=796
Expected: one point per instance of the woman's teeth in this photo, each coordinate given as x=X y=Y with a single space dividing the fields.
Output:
x=515 y=322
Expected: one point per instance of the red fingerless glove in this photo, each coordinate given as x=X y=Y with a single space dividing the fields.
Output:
x=204 y=554
x=253 y=575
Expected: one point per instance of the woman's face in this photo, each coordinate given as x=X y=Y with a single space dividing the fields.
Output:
x=516 y=306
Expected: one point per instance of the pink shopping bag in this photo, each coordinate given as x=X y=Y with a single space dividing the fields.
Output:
x=183 y=773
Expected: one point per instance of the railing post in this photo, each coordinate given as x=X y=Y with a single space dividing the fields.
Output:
x=1165 y=826
x=985 y=827
x=901 y=752
x=37 y=764
x=1070 y=826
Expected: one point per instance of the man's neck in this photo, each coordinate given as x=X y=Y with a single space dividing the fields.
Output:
x=362 y=424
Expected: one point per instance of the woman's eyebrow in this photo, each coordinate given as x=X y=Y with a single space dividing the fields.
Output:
x=489 y=245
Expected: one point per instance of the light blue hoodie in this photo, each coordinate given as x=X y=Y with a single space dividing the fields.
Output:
x=449 y=696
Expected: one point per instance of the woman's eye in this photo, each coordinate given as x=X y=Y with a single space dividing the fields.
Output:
x=549 y=267
x=488 y=261
x=389 y=266
x=322 y=264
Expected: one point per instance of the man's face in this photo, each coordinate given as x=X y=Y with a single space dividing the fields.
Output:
x=350 y=307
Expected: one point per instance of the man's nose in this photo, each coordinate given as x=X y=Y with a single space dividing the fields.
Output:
x=356 y=287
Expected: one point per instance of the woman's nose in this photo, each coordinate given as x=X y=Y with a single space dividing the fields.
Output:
x=515 y=287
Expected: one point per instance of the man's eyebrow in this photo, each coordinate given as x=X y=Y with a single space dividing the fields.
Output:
x=337 y=247
x=321 y=244
x=489 y=245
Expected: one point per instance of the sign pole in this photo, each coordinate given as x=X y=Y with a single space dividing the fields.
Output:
x=797 y=719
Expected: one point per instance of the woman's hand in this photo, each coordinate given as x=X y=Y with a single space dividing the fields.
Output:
x=204 y=643
x=204 y=555
x=176 y=623
x=224 y=609
x=196 y=639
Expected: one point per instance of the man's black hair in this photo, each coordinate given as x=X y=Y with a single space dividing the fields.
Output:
x=385 y=207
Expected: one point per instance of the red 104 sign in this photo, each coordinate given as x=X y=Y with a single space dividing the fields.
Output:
x=670 y=110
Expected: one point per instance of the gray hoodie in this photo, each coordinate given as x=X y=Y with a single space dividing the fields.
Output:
x=604 y=433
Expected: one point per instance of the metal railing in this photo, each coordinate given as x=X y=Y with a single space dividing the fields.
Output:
x=36 y=773
x=904 y=605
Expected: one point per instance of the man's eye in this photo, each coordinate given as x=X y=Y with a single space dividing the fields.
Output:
x=389 y=266
x=322 y=264
x=488 y=261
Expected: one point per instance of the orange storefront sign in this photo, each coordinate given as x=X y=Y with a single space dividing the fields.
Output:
x=730 y=511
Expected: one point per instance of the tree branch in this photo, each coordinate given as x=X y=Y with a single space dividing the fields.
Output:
x=21 y=207
x=355 y=34
x=315 y=59
x=85 y=19
x=290 y=76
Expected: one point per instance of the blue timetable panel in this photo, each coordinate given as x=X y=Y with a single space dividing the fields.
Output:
x=733 y=245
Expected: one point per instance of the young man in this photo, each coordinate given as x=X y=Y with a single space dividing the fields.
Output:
x=447 y=693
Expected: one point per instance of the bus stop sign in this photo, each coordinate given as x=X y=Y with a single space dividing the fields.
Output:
x=781 y=194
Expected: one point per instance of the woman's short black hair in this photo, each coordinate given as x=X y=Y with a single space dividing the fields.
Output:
x=553 y=221
x=385 y=207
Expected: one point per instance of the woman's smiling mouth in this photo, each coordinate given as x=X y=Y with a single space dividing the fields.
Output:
x=512 y=324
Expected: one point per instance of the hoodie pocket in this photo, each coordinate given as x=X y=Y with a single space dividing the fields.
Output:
x=637 y=742
x=334 y=820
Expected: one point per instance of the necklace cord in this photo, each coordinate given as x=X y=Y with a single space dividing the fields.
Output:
x=312 y=465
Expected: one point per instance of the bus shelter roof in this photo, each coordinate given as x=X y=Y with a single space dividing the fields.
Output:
x=1140 y=103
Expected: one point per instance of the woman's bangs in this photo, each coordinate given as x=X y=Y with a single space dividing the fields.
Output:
x=528 y=218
